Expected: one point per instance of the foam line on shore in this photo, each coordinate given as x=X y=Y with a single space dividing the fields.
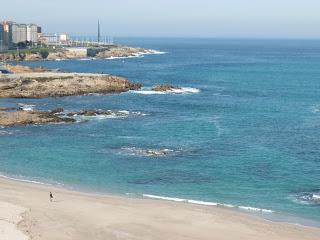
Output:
x=204 y=203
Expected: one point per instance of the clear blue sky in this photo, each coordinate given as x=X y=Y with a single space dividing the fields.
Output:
x=175 y=18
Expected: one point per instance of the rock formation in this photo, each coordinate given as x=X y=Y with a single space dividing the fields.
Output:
x=20 y=117
x=164 y=88
x=53 y=84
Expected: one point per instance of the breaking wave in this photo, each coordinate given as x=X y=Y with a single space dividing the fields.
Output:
x=183 y=90
x=108 y=115
x=196 y=202
x=138 y=55
x=5 y=133
x=26 y=107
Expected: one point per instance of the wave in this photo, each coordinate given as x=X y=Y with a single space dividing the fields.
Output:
x=197 y=202
x=5 y=133
x=183 y=90
x=109 y=114
x=315 y=109
x=138 y=55
x=86 y=59
x=154 y=52
x=132 y=56
x=26 y=107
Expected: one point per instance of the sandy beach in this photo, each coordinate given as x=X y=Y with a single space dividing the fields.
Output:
x=82 y=216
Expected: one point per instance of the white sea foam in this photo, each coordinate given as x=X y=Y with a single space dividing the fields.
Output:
x=26 y=107
x=154 y=52
x=316 y=197
x=316 y=108
x=132 y=56
x=204 y=203
x=255 y=209
x=148 y=152
x=4 y=133
x=111 y=115
x=86 y=59
x=183 y=90
x=164 y=198
x=138 y=55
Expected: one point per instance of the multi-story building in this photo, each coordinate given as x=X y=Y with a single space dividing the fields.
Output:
x=2 y=46
x=32 y=33
x=19 y=33
x=7 y=27
x=63 y=38
x=49 y=39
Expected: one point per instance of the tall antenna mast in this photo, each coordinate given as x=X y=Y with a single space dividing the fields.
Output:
x=98 y=31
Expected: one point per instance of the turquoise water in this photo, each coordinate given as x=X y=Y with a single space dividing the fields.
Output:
x=250 y=137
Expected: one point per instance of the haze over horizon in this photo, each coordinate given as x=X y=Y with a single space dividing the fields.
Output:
x=143 y=18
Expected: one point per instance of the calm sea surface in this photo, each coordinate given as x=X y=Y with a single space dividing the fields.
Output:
x=250 y=136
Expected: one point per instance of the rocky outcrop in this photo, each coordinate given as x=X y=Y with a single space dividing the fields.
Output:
x=120 y=51
x=20 y=117
x=53 y=84
x=164 y=88
x=24 y=69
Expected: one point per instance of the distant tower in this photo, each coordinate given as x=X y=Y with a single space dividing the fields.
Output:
x=98 y=31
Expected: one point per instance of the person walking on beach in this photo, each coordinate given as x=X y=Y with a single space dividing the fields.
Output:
x=51 y=197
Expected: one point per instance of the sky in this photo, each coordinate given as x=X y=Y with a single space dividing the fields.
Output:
x=171 y=18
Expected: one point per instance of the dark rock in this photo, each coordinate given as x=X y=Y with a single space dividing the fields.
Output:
x=164 y=88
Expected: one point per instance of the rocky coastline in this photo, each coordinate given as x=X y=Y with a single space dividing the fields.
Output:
x=20 y=116
x=73 y=53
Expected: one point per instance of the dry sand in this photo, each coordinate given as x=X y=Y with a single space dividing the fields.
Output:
x=81 y=216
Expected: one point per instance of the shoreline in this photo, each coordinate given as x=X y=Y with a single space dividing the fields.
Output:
x=255 y=219
x=261 y=213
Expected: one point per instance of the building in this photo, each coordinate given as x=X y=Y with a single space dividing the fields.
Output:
x=63 y=38
x=49 y=39
x=32 y=33
x=19 y=33
x=2 y=46
x=7 y=26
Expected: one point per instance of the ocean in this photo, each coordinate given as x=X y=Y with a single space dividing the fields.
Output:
x=244 y=132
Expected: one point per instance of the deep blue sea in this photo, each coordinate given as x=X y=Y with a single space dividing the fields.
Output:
x=250 y=136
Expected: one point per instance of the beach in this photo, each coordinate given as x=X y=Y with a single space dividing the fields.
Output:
x=75 y=215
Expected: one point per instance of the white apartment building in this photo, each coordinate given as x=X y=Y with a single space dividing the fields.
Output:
x=32 y=33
